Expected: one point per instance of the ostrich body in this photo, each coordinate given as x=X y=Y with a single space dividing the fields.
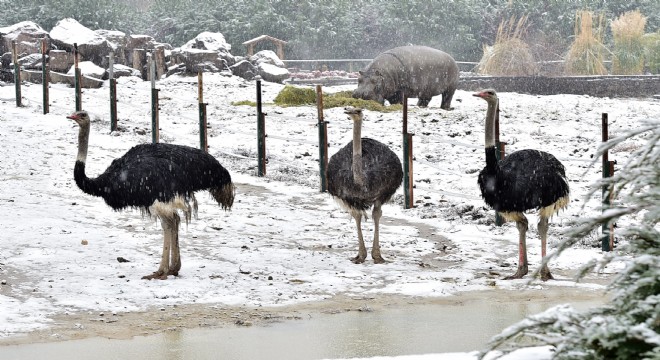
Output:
x=524 y=180
x=362 y=174
x=158 y=179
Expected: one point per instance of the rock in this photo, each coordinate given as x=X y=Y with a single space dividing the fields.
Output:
x=244 y=69
x=60 y=60
x=266 y=56
x=88 y=68
x=272 y=73
x=91 y=45
x=123 y=70
x=27 y=34
x=206 y=52
x=30 y=62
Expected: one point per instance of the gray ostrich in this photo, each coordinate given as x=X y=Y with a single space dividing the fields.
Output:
x=364 y=173
x=159 y=179
x=527 y=179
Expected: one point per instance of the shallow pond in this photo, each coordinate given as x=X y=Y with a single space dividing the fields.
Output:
x=386 y=331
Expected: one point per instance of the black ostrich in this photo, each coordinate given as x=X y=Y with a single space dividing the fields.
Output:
x=524 y=180
x=159 y=179
x=364 y=173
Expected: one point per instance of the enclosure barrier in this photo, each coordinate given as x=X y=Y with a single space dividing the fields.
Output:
x=17 y=74
x=155 y=128
x=608 y=166
x=607 y=240
x=44 y=75
x=113 y=93
x=322 y=126
x=203 y=124
x=78 y=87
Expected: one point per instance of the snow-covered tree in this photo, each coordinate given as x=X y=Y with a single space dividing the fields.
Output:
x=628 y=326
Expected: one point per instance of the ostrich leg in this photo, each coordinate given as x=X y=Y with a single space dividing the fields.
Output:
x=375 y=249
x=521 y=224
x=175 y=255
x=362 y=251
x=167 y=222
x=543 y=233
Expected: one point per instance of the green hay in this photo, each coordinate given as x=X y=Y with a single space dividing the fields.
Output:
x=244 y=103
x=303 y=96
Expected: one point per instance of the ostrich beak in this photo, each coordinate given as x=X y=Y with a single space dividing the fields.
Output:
x=479 y=94
x=73 y=117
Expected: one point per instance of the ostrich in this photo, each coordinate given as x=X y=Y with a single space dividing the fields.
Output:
x=524 y=180
x=362 y=174
x=159 y=179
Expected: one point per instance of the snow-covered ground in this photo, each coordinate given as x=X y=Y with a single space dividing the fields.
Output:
x=283 y=242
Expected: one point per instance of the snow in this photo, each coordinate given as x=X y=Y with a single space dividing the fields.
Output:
x=88 y=68
x=210 y=40
x=283 y=242
x=70 y=31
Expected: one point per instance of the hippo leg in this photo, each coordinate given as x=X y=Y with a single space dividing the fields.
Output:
x=423 y=102
x=397 y=98
x=446 y=98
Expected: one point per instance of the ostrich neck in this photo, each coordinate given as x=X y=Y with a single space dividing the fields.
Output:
x=83 y=143
x=358 y=172
x=86 y=184
x=490 y=123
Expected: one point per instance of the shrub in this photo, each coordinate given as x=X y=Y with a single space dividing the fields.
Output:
x=652 y=52
x=586 y=54
x=628 y=30
x=510 y=55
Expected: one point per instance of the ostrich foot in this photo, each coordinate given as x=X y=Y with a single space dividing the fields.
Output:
x=545 y=274
x=522 y=271
x=359 y=259
x=160 y=275
x=379 y=259
x=173 y=272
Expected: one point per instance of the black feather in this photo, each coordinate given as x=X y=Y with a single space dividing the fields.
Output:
x=524 y=180
x=150 y=172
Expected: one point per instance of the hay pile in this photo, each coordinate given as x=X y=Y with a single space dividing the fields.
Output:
x=586 y=55
x=628 y=54
x=510 y=55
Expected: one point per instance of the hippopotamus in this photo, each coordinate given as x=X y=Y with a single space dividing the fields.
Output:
x=416 y=71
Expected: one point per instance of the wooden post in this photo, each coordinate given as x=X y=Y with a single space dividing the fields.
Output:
x=155 y=127
x=44 y=75
x=323 y=139
x=17 y=74
x=159 y=57
x=113 y=93
x=78 y=75
x=203 y=137
x=261 y=134
x=611 y=195
x=606 y=190
x=407 y=159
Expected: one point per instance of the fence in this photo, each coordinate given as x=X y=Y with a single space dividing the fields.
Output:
x=321 y=142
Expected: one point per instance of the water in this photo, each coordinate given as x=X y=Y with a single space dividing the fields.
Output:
x=390 y=331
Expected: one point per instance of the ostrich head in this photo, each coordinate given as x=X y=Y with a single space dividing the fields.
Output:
x=488 y=94
x=353 y=113
x=80 y=117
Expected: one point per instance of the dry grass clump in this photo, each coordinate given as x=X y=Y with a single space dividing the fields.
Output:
x=510 y=55
x=587 y=52
x=628 y=30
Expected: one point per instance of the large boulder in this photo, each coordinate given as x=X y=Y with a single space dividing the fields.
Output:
x=28 y=37
x=88 y=68
x=266 y=56
x=206 y=52
x=92 y=46
x=244 y=69
x=272 y=73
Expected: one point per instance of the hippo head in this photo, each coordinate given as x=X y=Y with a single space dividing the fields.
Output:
x=371 y=86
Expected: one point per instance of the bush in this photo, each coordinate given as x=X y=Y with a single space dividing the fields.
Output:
x=510 y=55
x=652 y=52
x=586 y=54
x=628 y=30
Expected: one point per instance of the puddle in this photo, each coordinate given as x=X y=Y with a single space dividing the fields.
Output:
x=385 y=331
